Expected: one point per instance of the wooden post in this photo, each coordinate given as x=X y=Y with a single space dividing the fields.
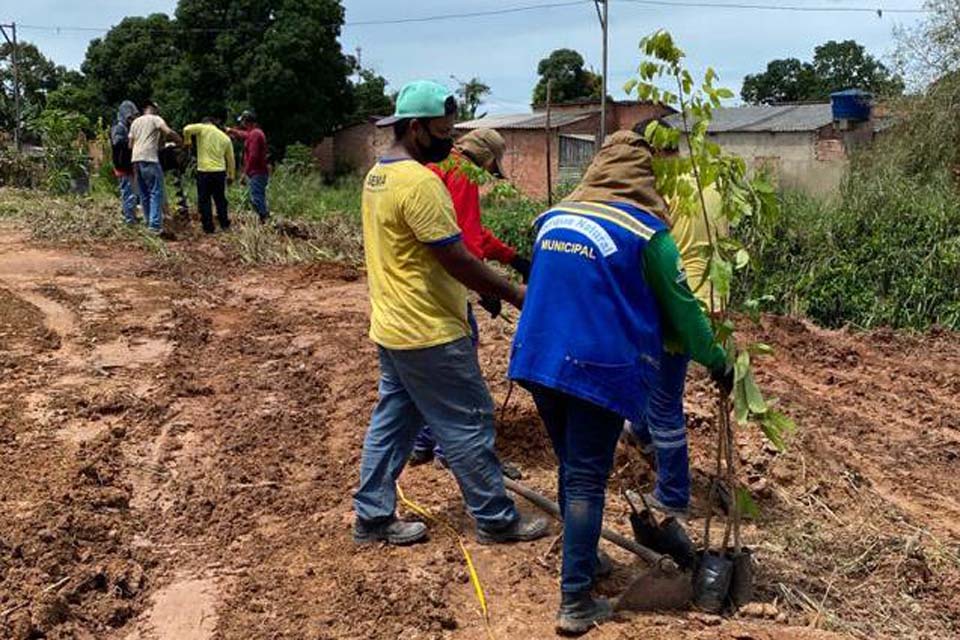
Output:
x=549 y=148
x=15 y=63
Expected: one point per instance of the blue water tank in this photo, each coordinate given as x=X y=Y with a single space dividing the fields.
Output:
x=851 y=104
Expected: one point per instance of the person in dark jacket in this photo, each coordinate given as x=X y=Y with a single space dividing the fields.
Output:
x=122 y=164
x=607 y=297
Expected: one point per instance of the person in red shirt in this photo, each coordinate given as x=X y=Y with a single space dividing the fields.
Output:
x=480 y=149
x=255 y=168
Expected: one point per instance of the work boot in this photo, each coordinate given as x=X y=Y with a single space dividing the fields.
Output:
x=654 y=503
x=420 y=456
x=523 y=529
x=395 y=532
x=579 y=612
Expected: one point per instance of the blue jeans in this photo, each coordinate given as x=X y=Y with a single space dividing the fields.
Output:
x=584 y=438
x=152 y=192
x=128 y=199
x=665 y=425
x=425 y=440
x=258 y=195
x=441 y=386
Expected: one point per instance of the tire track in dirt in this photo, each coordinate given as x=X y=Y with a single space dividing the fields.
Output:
x=216 y=500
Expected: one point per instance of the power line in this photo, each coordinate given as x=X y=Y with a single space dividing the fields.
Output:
x=359 y=23
x=523 y=9
x=772 y=7
x=472 y=14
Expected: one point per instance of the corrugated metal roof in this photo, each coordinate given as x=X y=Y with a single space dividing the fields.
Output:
x=778 y=118
x=584 y=137
x=524 y=121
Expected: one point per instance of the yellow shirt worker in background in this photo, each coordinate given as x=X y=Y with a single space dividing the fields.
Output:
x=692 y=236
x=216 y=165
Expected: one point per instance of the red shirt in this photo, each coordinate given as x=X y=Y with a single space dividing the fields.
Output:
x=479 y=240
x=254 y=151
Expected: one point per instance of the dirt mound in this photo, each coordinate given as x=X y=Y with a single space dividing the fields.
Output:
x=182 y=440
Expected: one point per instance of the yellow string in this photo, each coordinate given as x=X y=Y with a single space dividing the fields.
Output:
x=471 y=569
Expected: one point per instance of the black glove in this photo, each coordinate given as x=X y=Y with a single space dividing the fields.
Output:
x=522 y=266
x=492 y=305
x=723 y=377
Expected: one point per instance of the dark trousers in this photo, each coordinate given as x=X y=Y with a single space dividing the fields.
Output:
x=212 y=186
x=584 y=438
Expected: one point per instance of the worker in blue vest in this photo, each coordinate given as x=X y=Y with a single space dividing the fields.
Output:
x=607 y=295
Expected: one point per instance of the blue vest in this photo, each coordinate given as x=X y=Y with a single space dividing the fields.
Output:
x=590 y=325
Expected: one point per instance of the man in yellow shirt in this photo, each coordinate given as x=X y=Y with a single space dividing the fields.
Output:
x=663 y=431
x=216 y=166
x=418 y=272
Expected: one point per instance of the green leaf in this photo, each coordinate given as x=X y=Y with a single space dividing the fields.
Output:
x=723 y=331
x=725 y=93
x=630 y=85
x=760 y=349
x=748 y=508
x=742 y=259
x=742 y=366
x=776 y=426
x=755 y=401
x=720 y=274
x=741 y=411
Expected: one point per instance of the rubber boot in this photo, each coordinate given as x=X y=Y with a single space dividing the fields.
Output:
x=580 y=612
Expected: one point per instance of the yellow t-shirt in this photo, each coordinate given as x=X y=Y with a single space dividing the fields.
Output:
x=693 y=240
x=416 y=303
x=214 y=148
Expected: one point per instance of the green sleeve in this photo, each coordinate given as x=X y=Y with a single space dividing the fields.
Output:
x=685 y=325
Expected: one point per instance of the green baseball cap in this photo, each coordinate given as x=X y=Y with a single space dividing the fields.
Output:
x=419 y=99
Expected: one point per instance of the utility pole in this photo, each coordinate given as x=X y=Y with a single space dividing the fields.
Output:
x=604 y=17
x=549 y=138
x=11 y=39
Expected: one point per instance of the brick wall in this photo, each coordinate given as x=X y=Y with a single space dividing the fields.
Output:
x=525 y=162
x=359 y=146
x=323 y=155
x=356 y=148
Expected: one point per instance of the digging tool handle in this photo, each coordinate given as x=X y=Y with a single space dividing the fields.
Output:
x=553 y=509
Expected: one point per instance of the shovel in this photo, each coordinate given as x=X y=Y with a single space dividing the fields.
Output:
x=661 y=587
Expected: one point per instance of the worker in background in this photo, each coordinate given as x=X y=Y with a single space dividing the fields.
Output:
x=607 y=296
x=661 y=432
x=122 y=160
x=255 y=168
x=478 y=150
x=418 y=271
x=216 y=167
x=147 y=135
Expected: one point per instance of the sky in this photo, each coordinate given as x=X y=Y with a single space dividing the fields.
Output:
x=503 y=50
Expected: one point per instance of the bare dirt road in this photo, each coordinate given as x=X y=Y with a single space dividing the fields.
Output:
x=179 y=441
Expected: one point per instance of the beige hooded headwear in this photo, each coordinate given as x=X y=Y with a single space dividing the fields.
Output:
x=622 y=171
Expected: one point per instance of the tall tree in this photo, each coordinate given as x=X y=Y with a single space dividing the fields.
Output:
x=281 y=57
x=787 y=80
x=571 y=81
x=128 y=64
x=471 y=94
x=835 y=66
x=370 y=96
x=930 y=49
x=39 y=76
